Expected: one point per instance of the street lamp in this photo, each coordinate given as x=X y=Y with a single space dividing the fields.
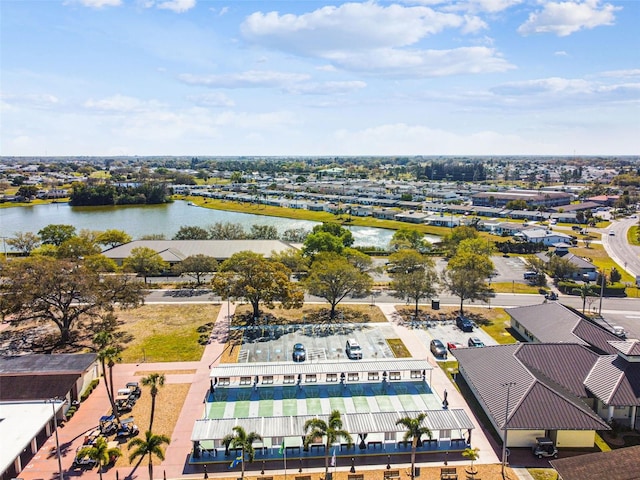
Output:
x=53 y=402
x=603 y=279
x=506 y=419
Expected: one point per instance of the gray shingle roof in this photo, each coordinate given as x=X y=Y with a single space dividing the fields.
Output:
x=35 y=387
x=177 y=250
x=620 y=464
x=36 y=363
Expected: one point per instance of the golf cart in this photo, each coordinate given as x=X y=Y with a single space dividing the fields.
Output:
x=127 y=428
x=135 y=389
x=83 y=461
x=125 y=400
x=545 y=448
x=108 y=425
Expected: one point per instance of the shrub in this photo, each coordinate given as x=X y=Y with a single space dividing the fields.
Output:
x=94 y=383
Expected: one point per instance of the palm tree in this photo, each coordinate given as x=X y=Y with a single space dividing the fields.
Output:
x=100 y=452
x=108 y=354
x=332 y=430
x=414 y=432
x=243 y=440
x=471 y=454
x=151 y=445
x=153 y=380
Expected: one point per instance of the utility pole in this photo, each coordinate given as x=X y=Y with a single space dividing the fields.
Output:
x=504 y=427
x=53 y=402
x=602 y=281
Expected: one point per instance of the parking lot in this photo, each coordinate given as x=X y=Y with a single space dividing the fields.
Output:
x=274 y=343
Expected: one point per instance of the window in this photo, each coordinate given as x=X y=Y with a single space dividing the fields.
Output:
x=267 y=379
x=373 y=375
x=332 y=377
x=245 y=380
x=394 y=376
x=311 y=378
x=223 y=381
x=416 y=374
x=289 y=379
x=352 y=377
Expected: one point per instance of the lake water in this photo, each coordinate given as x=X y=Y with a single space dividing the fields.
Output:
x=158 y=219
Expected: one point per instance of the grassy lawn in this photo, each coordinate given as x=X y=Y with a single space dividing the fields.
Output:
x=513 y=287
x=354 y=313
x=300 y=214
x=164 y=333
x=398 y=348
x=543 y=473
x=32 y=203
x=632 y=235
x=495 y=322
x=598 y=256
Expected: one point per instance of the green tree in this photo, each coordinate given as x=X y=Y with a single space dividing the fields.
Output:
x=317 y=242
x=100 y=263
x=615 y=276
x=466 y=276
x=62 y=292
x=27 y=191
x=333 y=278
x=263 y=232
x=197 y=266
x=451 y=240
x=295 y=235
x=226 y=231
x=360 y=260
x=561 y=267
x=345 y=235
x=153 y=381
x=112 y=238
x=191 y=232
x=243 y=440
x=24 y=242
x=56 y=234
x=414 y=277
x=100 y=452
x=151 y=446
x=76 y=248
x=252 y=277
x=108 y=354
x=408 y=238
x=331 y=431
x=414 y=433
x=146 y=262
x=292 y=259
x=472 y=454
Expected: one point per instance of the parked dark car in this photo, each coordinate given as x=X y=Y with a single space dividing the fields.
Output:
x=464 y=324
x=551 y=296
x=299 y=353
x=437 y=348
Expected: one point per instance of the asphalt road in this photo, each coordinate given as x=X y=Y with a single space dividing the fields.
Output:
x=617 y=247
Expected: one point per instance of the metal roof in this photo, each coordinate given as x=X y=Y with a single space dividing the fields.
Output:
x=319 y=367
x=354 y=423
x=43 y=364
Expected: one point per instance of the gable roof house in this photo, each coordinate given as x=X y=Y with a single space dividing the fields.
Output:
x=618 y=464
x=545 y=396
x=546 y=237
x=585 y=270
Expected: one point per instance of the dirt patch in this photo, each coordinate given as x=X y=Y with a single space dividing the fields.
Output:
x=169 y=402
x=485 y=472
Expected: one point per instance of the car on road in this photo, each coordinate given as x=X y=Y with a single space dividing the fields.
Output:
x=475 y=342
x=299 y=353
x=611 y=233
x=551 y=296
x=453 y=345
x=437 y=348
x=464 y=324
x=545 y=447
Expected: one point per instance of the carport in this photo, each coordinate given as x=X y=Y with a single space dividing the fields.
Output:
x=290 y=373
x=371 y=433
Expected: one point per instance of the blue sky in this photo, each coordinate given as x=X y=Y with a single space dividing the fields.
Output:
x=415 y=77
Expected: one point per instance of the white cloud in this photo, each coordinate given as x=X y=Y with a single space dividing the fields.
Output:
x=565 y=18
x=177 y=6
x=120 y=104
x=561 y=53
x=622 y=73
x=97 y=3
x=424 y=63
x=327 y=88
x=249 y=79
x=403 y=139
x=215 y=99
x=349 y=26
x=30 y=100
